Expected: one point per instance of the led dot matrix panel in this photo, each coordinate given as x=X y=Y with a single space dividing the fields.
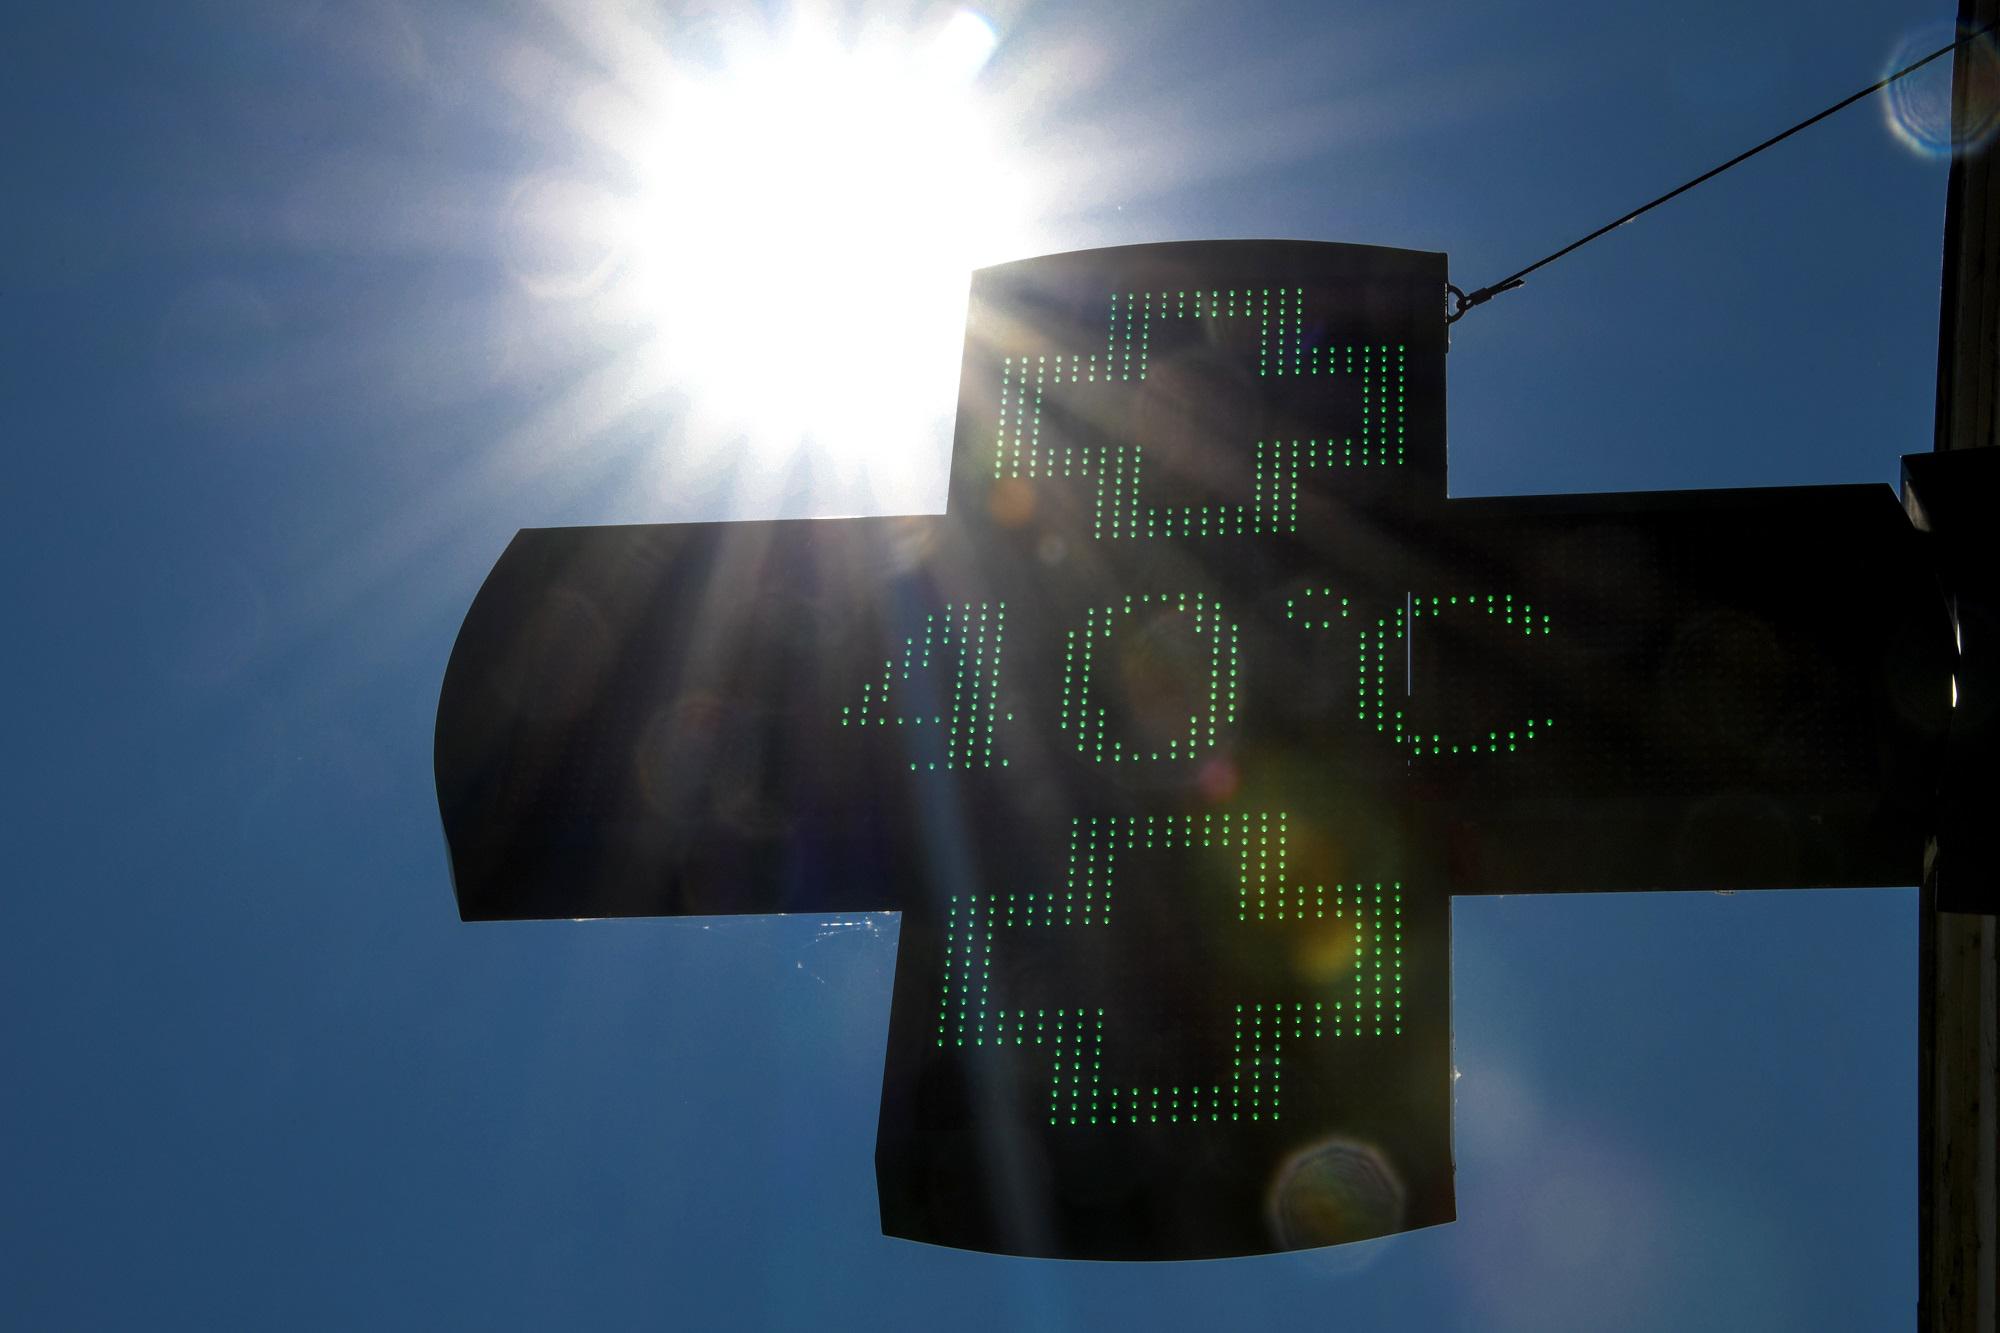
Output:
x=1172 y=738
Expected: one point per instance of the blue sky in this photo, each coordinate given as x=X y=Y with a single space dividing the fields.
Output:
x=283 y=367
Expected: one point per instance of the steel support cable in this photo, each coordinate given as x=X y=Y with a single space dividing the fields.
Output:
x=1466 y=301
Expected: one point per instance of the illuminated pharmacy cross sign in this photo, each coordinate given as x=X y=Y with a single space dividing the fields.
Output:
x=1173 y=737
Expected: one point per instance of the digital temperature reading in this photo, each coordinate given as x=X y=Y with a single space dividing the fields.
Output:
x=1173 y=736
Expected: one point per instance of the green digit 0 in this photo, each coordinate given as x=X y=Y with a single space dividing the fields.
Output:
x=1084 y=650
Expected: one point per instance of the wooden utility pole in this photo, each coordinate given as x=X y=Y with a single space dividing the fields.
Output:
x=1959 y=1033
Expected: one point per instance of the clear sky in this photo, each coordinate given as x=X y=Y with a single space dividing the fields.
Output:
x=305 y=308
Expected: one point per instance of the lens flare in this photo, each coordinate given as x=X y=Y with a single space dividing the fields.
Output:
x=1324 y=951
x=1335 y=1191
x=1918 y=108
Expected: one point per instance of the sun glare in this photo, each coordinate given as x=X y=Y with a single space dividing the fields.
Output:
x=813 y=210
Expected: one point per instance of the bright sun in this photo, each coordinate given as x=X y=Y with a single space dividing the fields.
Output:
x=813 y=208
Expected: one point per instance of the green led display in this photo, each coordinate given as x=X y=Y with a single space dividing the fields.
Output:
x=968 y=637
x=1276 y=465
x=1366 y=1001
x=1087 y=719
x=1375 y=694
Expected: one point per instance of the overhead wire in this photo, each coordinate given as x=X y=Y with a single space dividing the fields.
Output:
x=1466 y=301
